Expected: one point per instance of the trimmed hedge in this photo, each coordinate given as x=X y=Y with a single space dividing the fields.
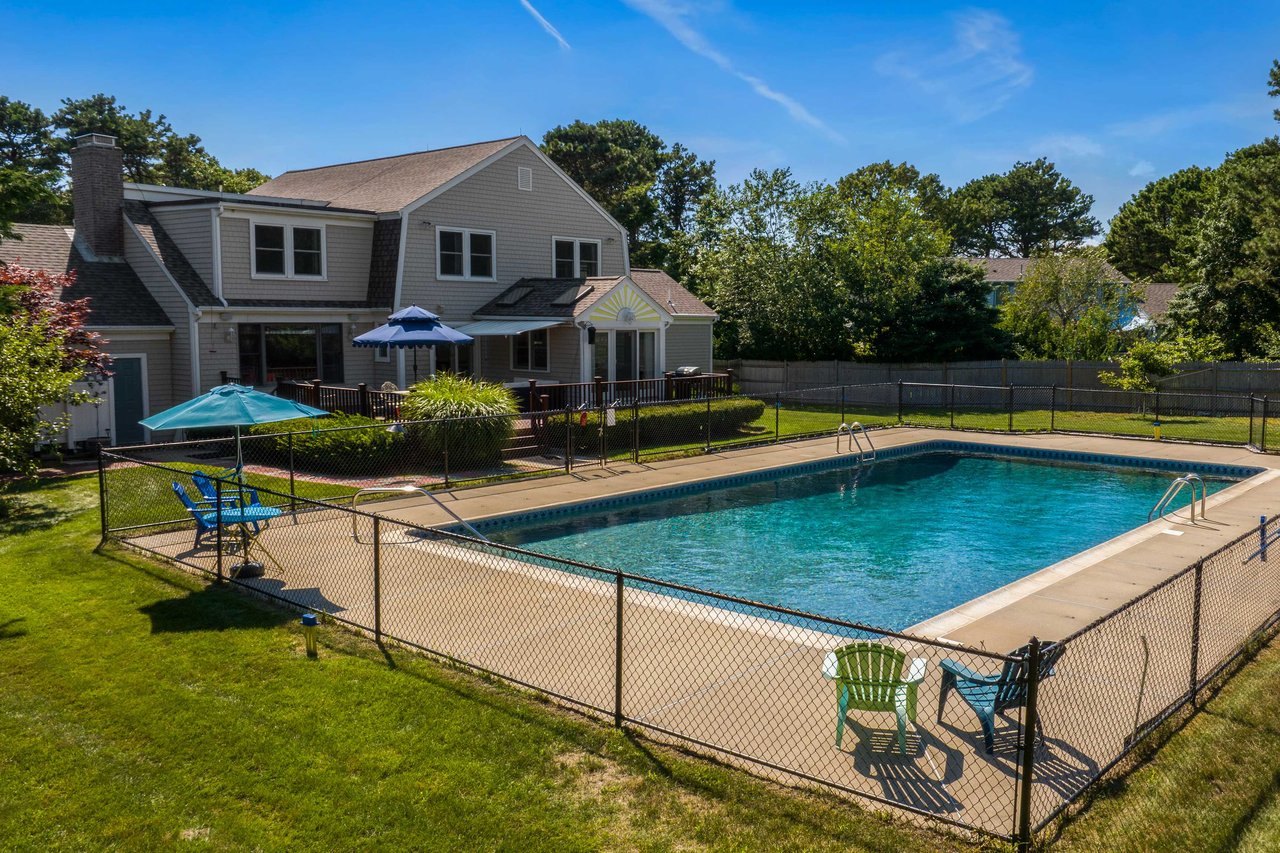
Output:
x=324 y=446
x=662 y=424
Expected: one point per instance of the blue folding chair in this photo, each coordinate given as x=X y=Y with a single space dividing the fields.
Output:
x=209 y=492
x=206 y=519
x=988 y=695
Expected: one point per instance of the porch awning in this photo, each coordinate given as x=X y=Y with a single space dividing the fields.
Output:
x=487 y=328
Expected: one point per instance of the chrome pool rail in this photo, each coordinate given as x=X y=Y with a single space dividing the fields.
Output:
x=406 y=490
x=868 y=455
x=1187 y=480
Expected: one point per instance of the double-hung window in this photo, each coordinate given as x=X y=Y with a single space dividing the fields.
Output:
x=530 y=351
x=287 y=251
x=464 y=253
x=573 y=258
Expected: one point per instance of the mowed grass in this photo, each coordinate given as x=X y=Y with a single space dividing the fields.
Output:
x=142 y=708
x=1215 y=786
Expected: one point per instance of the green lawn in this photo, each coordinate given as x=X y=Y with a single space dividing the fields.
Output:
x=142 y=708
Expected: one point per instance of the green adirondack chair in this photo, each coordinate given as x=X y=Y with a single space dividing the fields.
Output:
x=869 y=677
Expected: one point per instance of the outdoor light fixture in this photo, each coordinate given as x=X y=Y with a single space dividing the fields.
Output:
x=231 y=333
x=309 y=623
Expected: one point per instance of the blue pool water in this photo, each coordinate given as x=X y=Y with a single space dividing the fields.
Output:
x=890 y=545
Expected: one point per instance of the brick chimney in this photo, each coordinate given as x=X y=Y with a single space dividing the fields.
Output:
x=97 y=193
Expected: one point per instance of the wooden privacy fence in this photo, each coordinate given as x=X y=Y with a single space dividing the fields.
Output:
x=771 y=377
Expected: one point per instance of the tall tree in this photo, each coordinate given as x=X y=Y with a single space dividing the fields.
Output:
x=1030 y=208
x=26 y=138
x=649 y=189
x=141 y=136
x=1153 y=235
x=869 y=182
x=1069 y=305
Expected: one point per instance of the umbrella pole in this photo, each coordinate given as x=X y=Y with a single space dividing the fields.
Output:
x=415 y=365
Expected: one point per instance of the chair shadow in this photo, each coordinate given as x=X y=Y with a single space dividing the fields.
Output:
x=1060 y=767
x=919 y=778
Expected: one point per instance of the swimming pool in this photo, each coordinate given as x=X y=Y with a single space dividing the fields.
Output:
x=889 y=544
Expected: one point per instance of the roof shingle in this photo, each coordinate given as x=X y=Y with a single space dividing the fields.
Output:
x=550 y=297
x=117 y=297
x=169 y=254
x=382 y=185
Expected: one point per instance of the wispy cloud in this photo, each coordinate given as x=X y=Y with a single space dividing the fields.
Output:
x=1142 y=168
x=1068 y=145
x=676 y=17
x=1166 y=121
x=545 y=24
x=975 y=76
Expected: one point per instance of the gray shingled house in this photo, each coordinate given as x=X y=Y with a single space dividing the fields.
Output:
x=189 y=286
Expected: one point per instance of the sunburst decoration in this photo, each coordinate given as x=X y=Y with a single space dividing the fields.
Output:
x=615 y=307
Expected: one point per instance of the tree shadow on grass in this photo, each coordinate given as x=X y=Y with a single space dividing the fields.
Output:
x=10 y=630
x=25 y=515
x=211 y=608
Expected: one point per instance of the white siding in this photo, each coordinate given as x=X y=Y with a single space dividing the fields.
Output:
x=347 y=252
x=192 y=230
x=524 y=222
x=689 y=344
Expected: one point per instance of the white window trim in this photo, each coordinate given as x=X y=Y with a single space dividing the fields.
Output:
x=512 y=352
x=382 y=354
x=289 y=274
x=577 y=254
x=466 y=254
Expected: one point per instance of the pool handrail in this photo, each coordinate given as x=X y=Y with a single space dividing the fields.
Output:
x=406 y=490
x=1187 y=480
x=868 y=455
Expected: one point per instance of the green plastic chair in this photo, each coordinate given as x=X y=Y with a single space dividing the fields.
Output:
x=869 y=677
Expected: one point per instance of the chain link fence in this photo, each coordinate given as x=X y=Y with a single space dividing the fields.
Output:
x=997 y=742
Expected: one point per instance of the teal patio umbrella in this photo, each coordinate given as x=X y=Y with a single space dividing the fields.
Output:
x=233 y=406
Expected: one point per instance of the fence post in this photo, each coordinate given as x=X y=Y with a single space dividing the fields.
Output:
x=1053 y=407
x=377 y=579
x=635 y=429
x=217 y=497
x=951 y=403
x=1195 y=632
x=841 y=395
x=569 y=415
x=899 y=401
x=777 y=414
x=1262 y=444
x=446 y=432
x=102 y=494
x=315 y=393
x=1029 y=726
x=293 y=495
x=617 y=653
x=1157 y=403
x=1262 y=538
x=1009 y=407
x=1251 y=400
x=363 y=389
x=708 y=424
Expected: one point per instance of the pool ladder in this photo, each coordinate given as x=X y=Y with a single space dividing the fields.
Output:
x=867 y=455
x=1186 y=481
x=406 y=490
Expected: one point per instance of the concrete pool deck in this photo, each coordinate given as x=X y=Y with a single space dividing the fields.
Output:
x=1051 y=603
x=753 y=685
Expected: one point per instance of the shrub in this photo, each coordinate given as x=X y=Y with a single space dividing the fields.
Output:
x=335 y=445
x=476 y=442
x=661 y=424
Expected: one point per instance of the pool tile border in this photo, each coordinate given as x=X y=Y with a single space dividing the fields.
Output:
x=849 y=460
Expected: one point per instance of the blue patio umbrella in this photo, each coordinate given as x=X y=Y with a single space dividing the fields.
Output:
x=233 y=406
x=410 y=328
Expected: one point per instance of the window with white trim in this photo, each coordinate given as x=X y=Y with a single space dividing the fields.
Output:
x=382 y=353
x=531 y=350
x=287 y=251
x=573 y=258
x=464 y=253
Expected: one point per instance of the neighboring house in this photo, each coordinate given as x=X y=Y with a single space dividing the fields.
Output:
x=189 y=286
x=1004 y=274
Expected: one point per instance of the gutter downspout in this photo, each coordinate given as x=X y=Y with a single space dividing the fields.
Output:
x=194 y=316
x=215 y=215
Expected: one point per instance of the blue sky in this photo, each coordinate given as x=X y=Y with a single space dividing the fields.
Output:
x=1116 y=93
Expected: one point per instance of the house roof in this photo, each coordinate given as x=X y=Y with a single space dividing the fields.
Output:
x=570 y=297
x=1156 y=298
x=117 y=297
x=385 y=184
x=669 y=293
x=383 y=261
x=154 y=235
x=1008 y=270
